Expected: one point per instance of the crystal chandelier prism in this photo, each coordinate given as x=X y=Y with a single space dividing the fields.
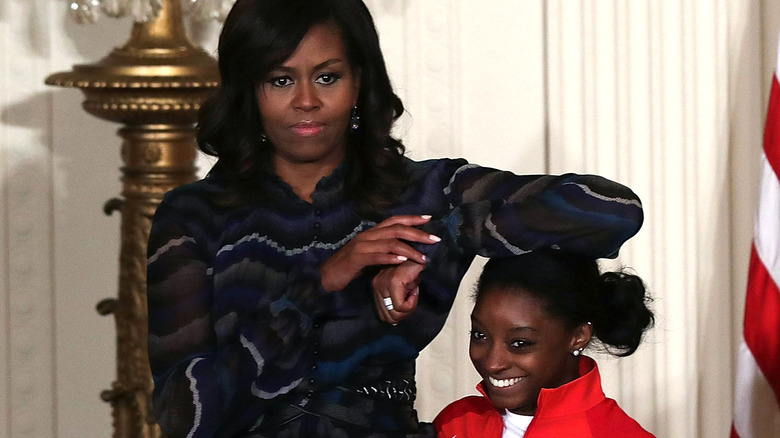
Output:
x=142 y=11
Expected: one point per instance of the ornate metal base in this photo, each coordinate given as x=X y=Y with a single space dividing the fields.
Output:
x=154 y=85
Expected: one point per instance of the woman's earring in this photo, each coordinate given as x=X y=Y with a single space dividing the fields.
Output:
x=263 y=138
x=354 y=119
x=577 y=352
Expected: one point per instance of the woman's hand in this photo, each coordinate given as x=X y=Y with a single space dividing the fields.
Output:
x=381 y=245
x=401 y=285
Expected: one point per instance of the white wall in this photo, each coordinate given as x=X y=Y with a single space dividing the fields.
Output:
x=665 y=96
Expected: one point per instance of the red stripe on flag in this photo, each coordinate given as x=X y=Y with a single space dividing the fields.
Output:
x=772 y=128
x=762 y=321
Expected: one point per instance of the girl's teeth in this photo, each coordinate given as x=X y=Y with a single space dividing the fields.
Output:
x=503 y=383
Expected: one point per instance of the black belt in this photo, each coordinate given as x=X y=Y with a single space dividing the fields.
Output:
x=399 y=390
x=390 y=397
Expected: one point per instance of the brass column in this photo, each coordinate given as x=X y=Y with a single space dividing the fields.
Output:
x=154 y=86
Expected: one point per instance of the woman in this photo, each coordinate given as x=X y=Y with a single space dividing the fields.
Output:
x=533 y=317
x=272 y=281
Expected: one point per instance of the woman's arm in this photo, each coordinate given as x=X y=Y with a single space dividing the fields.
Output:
x=218 y=362
x=498 y=213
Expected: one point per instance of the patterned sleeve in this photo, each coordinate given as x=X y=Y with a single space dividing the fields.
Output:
x=218 y=362
x=498 y=213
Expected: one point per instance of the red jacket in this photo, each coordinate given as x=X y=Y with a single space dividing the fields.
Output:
x=577 y=409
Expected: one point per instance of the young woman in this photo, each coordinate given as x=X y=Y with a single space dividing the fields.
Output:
x=291 y=290
x=534 y=316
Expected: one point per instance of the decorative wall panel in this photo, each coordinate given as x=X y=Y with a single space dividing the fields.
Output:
x=436 y=131
x=639 y=92
x=27 y=228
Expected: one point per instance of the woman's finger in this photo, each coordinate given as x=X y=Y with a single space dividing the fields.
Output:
x=403 y=287
x=385 y=308
x=398 y=232
x=382 y=300
x=410 y=220
x=397 y=290
x=374 y=251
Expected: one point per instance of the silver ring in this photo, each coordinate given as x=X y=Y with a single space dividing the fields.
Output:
x=388 y=303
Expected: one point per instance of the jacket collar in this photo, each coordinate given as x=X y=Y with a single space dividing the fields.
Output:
x=579 y=395
x=329 y=190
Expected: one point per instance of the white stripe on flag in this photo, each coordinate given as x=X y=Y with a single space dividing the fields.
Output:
x=756 y=413
x=767 y=225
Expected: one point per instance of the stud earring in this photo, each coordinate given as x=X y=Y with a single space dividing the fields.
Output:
x=354 y=119
x=263 y=138
x=577 y=352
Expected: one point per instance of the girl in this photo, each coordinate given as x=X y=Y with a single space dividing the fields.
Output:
x=534 y=316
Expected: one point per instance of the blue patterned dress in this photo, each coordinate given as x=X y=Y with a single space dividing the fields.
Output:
x=243 y=340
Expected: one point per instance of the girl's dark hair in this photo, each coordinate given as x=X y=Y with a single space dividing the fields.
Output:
x=574 y=290
x=258 y=36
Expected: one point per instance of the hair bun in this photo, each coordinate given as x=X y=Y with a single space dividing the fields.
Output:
x=621 y=313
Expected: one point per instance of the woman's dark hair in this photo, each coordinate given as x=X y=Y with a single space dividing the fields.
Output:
x=574 y=290
x=257 y=37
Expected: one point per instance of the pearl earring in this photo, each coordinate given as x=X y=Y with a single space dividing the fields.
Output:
x=577 y=352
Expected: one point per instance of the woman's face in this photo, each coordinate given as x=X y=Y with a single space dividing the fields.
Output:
x=305 y=103
x=518 y=349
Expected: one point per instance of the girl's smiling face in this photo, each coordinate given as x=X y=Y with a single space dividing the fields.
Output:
x=519 y=348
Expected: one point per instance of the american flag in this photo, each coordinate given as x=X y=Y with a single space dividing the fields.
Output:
x=757 y=393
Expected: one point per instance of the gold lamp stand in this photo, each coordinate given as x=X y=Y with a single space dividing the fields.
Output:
x=154 y=86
